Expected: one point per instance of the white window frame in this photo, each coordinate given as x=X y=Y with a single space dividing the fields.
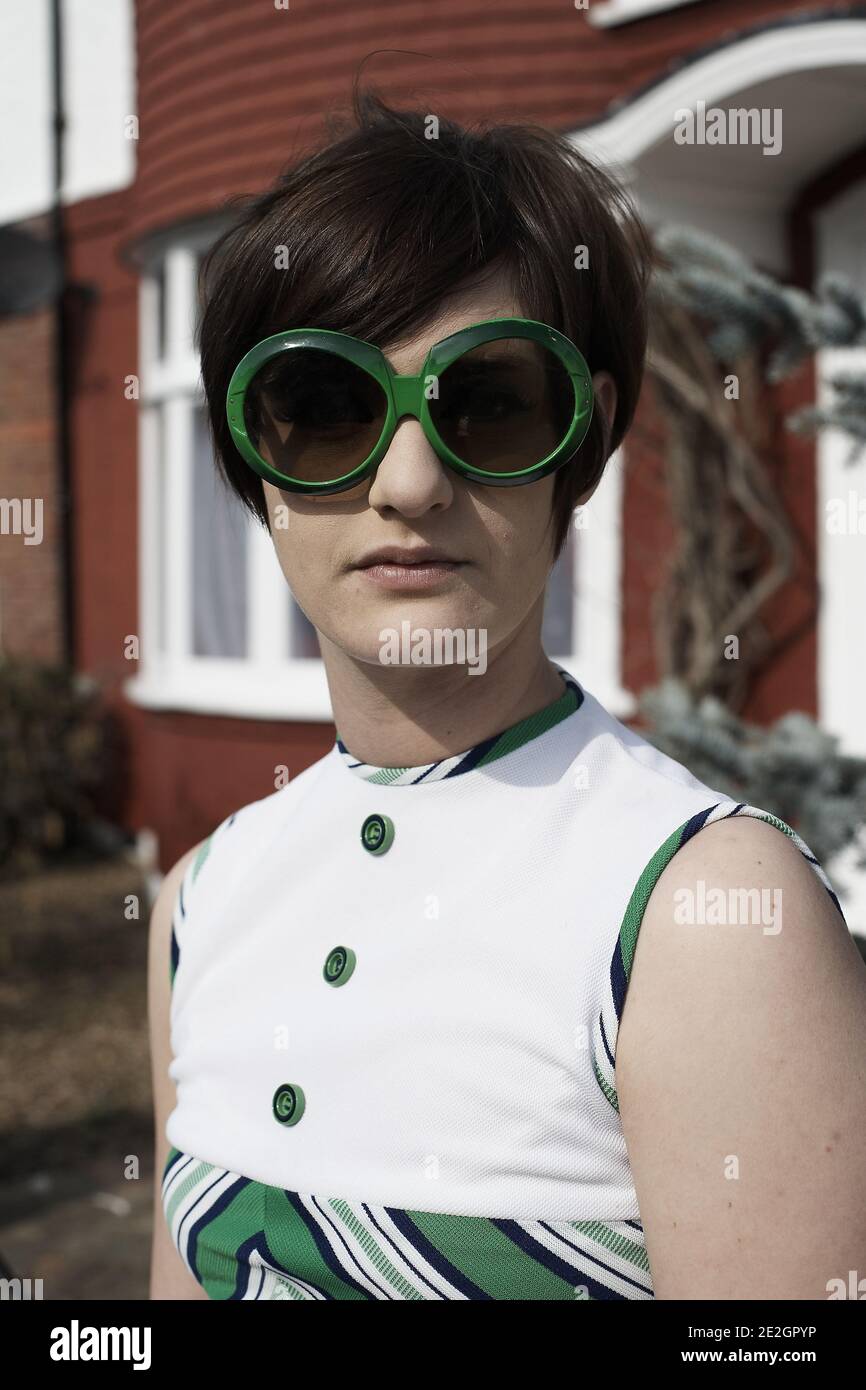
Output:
x=841 y=558
x=269 y=683
x=598 y=615
x=606 y=14
x=841 y=568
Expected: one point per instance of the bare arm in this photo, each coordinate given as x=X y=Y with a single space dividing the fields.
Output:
x=741 y=1075
x=169 y=1276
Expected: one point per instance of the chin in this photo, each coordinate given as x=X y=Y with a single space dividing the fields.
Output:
x=411 y=634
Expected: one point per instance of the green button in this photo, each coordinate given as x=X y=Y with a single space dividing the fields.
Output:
x=377 y=834
x=289 y=1104
x=339 y=965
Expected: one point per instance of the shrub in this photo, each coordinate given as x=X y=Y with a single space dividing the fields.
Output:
x=56 y=755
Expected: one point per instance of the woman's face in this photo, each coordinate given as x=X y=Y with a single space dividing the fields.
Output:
x=497 y=538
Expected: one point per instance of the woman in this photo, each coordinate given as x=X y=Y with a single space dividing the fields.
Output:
x=392 y=1058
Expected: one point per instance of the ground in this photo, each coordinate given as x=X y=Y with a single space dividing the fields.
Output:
x=75 y=1097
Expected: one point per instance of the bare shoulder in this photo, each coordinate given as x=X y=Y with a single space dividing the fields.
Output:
x=169 y=1277
x=741 y=1075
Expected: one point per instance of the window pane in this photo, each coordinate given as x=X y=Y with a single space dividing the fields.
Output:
x=219 y=559
x=557 y=631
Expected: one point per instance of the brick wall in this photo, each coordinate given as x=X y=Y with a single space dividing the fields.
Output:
x=31 y=612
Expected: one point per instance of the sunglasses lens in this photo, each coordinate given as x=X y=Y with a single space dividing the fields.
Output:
x=504 y=406
x=313 y=415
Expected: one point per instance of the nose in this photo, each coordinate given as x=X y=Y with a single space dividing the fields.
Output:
x=411 y=477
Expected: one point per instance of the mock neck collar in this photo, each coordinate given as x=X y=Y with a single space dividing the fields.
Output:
x=482 y=754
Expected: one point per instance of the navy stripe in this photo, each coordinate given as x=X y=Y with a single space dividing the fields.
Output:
x=344 y=1241
x=469 y=759
x=585 y=1255
x=476 y=754
x=692 y=826
x=419 y=1274
x=175 y=1159
x=427 y=772
x=618 y=975
x=557 y=1266
x=357 y=763
x=218 y=1176
x=837 y=904
x=610 y=1056
x=404 y=1223
x=245 y=1268
x=219 y=1206
x=572 y=685
x=324 y=1248
x=618 y=978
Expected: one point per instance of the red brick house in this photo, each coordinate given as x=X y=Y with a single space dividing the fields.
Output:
x=224 y=93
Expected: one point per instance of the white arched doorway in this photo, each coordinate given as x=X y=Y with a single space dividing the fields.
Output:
x=812 y=74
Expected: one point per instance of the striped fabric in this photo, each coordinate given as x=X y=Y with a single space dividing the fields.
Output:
x=607 y=1023
x=192 y=872
x=481 y=755
x=244 y=1240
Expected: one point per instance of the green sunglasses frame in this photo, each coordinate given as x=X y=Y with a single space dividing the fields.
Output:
x=406 y=395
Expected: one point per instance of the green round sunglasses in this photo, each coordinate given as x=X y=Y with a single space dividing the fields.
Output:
x=503 y=402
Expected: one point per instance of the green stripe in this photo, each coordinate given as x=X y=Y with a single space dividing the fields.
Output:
x=628 y=933
x=532 y=726
x=608 y=1091
x=487 y=1256
x=194 y=1175
x=634 y=913
x=293 y=1246
x=203 y=852
x=507 y=742
x=779 y=824
x=473 y=1246
x=616 y=1243
x=219 y=1240
x=386 y=775
x=373 y=1250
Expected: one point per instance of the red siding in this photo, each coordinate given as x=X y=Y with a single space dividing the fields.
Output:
x=30 y=575
x=104 y=427
x=189 y=771
x=230 y=90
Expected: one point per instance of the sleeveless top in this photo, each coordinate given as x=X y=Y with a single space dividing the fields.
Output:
x=395 y=1002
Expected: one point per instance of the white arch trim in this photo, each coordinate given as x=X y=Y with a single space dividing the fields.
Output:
x=776 y=52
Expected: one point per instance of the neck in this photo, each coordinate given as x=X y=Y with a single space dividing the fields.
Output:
x=408 y=716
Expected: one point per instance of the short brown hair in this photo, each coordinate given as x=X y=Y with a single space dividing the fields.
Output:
x=383 y=222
